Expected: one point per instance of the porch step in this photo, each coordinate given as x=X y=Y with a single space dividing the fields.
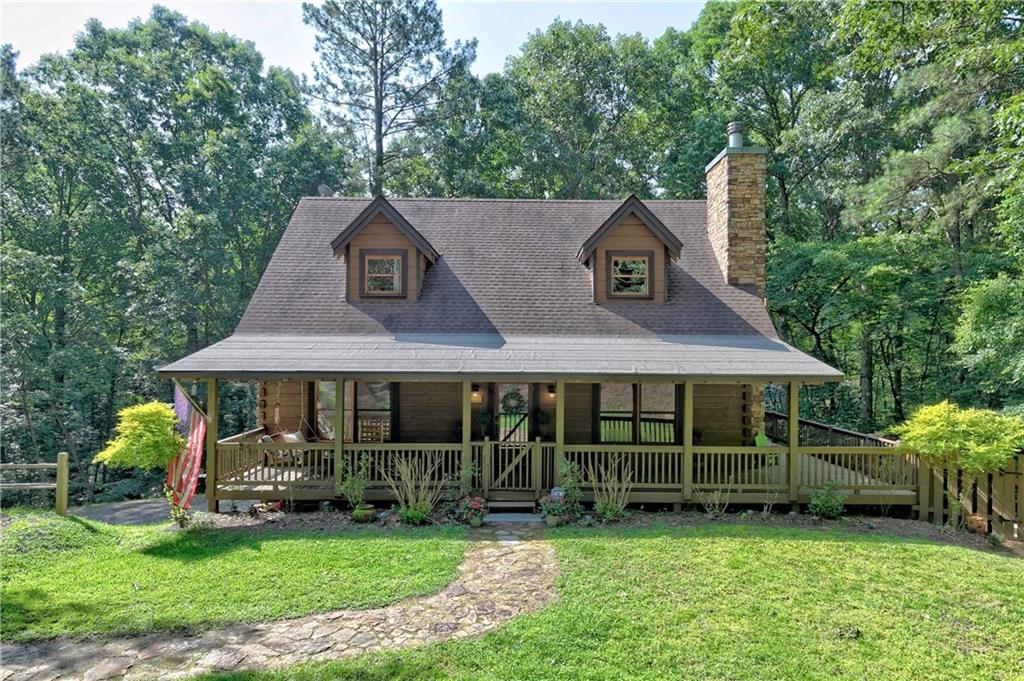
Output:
x=505 y=505
x=510 y=518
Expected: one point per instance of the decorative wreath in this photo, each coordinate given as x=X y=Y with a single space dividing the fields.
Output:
x=513 y=403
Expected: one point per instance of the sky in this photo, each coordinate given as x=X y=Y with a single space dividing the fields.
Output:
x=276 y=28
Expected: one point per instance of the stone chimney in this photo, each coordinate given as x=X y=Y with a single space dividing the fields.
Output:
x=736 y=211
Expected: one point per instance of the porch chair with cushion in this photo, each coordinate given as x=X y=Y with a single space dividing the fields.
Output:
x=284 y=457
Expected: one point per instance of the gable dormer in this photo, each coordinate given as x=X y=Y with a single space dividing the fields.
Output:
x=628 y=254
x=385 y=255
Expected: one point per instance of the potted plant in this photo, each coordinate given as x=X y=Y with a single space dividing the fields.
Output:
x=353 y=487
x=484 y=420
x=554 y=509
x=472 y=510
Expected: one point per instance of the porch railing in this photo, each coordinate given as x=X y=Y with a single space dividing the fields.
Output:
x=244 y=465
x=382 y=456
x=247 y=469
x=653 y=467
x=616 y=428
x=857 y=468
x=741 y=469
x=776 y=427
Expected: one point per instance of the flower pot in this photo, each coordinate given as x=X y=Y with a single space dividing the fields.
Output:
x=364 y=513
x=977 y=524
x=475 y=521
x=552 y=520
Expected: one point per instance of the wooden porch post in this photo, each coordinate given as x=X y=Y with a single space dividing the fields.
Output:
x=924 y=485
x=467 y=423
x=688 y=441
x=339 y=433
x=559 y=429
x=794 y=441
x=61 y=502
x=211 y=445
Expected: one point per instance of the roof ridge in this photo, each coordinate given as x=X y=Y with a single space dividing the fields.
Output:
x=491 y=200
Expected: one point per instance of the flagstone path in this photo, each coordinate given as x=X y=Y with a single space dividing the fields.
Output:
x=506 y=571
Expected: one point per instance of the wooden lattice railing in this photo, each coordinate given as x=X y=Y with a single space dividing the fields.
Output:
x=278 y=467
x=857 y=468
x=812 y=433
x=650 y=466
x=383 y=456
x=740 y=469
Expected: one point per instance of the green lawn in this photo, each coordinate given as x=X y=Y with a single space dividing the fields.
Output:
x=68 y=576
x=741 y=602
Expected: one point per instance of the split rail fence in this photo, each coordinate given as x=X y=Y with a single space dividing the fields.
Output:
x=59 y=485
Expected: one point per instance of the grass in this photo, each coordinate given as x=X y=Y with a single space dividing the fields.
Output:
x=739 y=602
x=65 y=576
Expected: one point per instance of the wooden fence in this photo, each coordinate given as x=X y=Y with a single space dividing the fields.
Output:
x=997 y=498
x=60 y=485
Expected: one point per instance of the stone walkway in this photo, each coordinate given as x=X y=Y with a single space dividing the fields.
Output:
x=506 y=571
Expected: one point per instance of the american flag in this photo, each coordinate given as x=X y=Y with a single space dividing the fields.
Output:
x=183 y=473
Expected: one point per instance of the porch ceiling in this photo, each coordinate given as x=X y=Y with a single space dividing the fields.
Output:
x=750 y=358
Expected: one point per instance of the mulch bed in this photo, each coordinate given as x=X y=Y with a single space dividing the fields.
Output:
x=897 y=527
x=340 y=521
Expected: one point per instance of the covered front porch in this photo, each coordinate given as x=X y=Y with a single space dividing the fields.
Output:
x=678 y=442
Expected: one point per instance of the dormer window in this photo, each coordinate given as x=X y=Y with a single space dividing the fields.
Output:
x=383 y=273
x=629 y=255
x=385 y=257
x=630 y=274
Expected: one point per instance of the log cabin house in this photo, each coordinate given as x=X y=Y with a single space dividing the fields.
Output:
x=509 y=335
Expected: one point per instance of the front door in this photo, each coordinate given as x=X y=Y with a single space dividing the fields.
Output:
x=512 y=454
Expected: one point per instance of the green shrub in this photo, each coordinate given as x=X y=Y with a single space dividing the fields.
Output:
x=551 y=505
x=612 y=485
x=146 y=438
x=609 y=511
x=130 y=483
x=412 y=481
x=973 y=440
x=570 y=475
x=826 y=502
x=355 y=480
x=178 y=514
x=414 y=514
x=1014 y=410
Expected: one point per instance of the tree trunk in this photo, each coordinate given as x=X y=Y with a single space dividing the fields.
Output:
x=377 y=176
x=867 y=378
x=897 y=378
x=192 y=334
x=377 y=59
x=783 y=204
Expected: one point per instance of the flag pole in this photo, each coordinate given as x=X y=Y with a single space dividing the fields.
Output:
x=188 y=397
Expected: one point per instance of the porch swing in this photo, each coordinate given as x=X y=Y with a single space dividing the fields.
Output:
x=287 y=457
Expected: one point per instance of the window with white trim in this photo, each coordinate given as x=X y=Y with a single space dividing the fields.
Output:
x=383 y=274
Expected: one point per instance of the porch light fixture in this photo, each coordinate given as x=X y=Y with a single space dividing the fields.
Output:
x=474 y=394
x=551 y=389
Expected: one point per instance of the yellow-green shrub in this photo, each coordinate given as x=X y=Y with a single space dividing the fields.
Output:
x=973 y=440
x=145 y=438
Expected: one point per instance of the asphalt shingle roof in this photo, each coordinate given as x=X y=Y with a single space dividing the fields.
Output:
x=507 y=272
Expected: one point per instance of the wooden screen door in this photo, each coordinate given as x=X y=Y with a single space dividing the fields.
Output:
x=512 y=454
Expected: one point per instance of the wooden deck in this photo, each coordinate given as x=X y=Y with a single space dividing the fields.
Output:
x=526 y=470
x=248 y=469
